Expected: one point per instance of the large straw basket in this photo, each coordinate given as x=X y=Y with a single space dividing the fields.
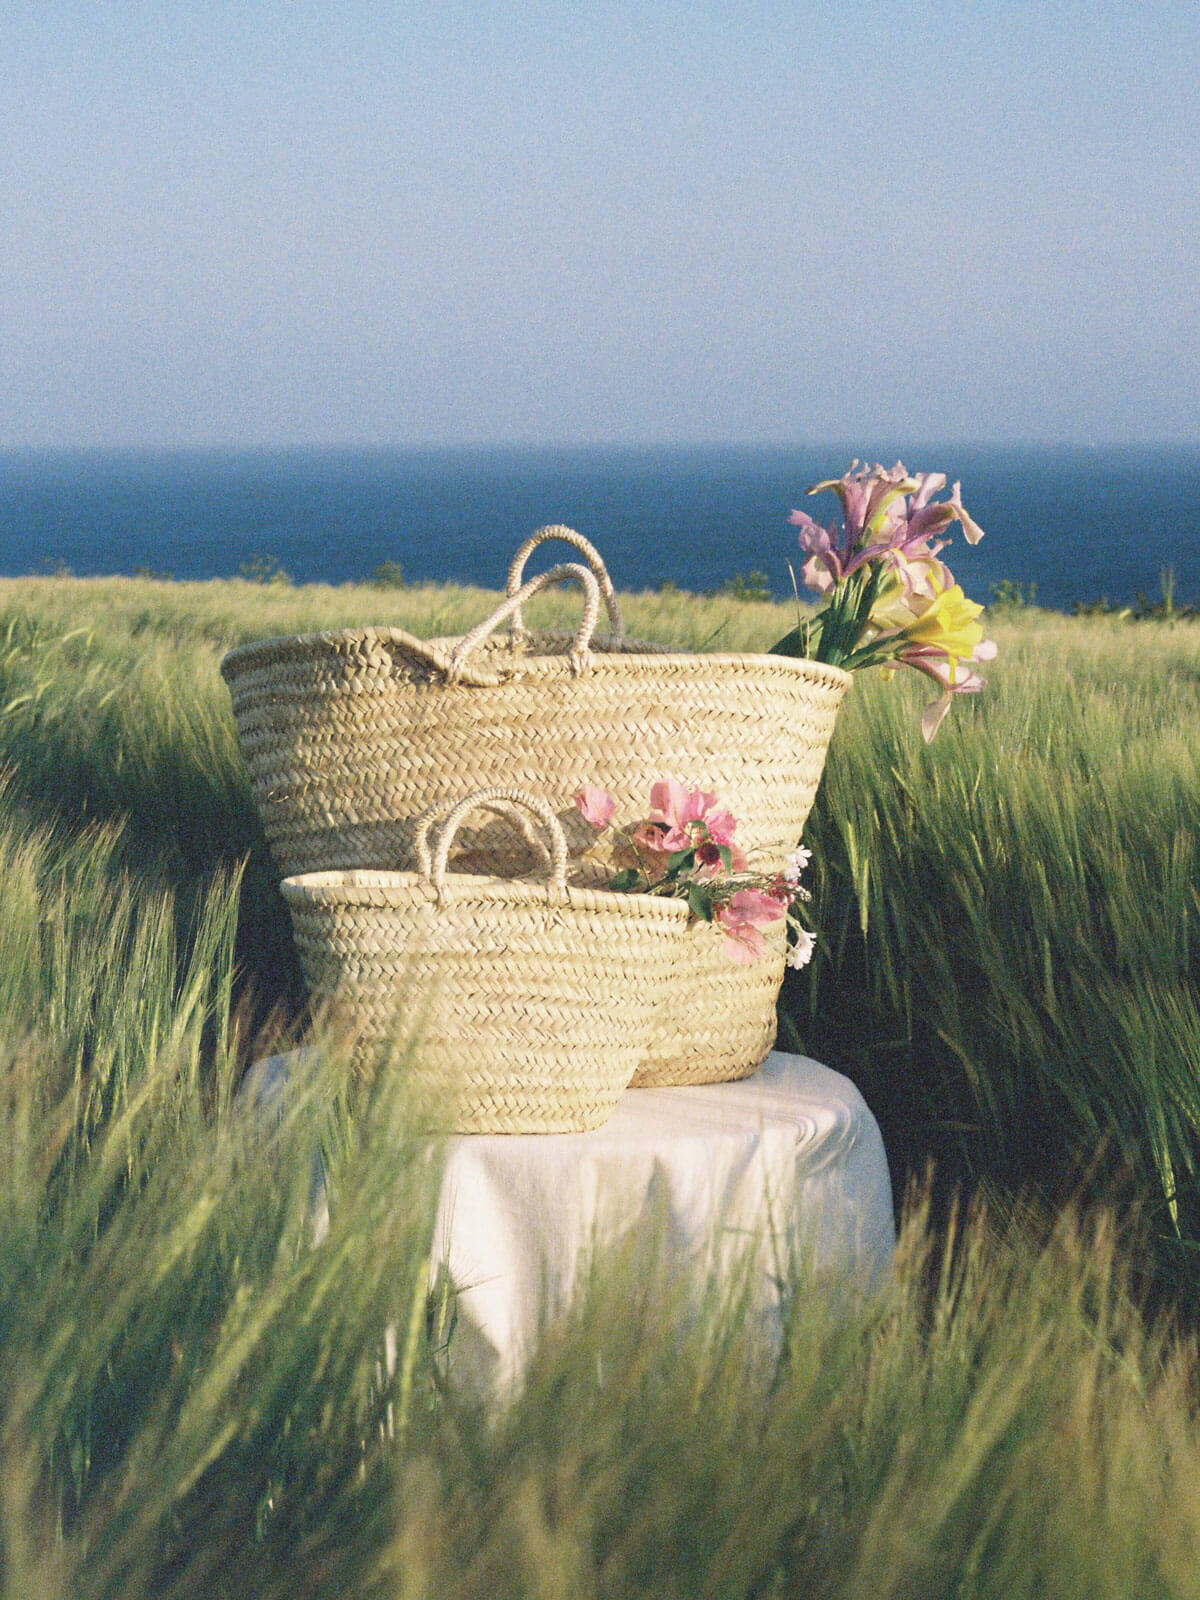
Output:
x=349 y=736
x=531 y=1001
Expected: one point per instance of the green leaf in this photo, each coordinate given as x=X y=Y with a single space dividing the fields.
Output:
x=699 y=903
x=622 y=882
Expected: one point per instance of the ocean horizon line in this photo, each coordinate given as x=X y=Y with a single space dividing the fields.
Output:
x=1068 y=523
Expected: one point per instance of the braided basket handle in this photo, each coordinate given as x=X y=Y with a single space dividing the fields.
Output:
x=590 y=554
x=514 y=802
x=581 y=655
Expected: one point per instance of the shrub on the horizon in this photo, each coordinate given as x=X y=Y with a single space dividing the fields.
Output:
x=1142 y=609
x=262 y=568
x=1008 y=595
x=388 y=575
x=751 y=586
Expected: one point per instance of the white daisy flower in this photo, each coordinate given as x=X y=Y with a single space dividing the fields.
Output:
x=801 y=952
x=795 y=864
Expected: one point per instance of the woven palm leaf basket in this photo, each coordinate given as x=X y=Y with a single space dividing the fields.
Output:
x=530 y=1000
x=349 y=736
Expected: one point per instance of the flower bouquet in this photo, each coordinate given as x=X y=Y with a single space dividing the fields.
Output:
x=890 y=599
x=685 y=849
x=716 y=1018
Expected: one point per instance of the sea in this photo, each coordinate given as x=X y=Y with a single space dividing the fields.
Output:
x=1069 y=525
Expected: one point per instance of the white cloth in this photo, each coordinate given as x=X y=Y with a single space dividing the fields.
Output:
x=792 y=1148
x=789 y=1161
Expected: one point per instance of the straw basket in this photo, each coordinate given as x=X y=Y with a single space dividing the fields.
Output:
x=349 y=736
x=531 y=1001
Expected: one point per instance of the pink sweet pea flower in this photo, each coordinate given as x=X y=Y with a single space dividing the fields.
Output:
x=689 y=818
x=668 y=799
x=741 y=917
x=595 y=805
x=680 y=809
x=721 y=825
x=754 y=907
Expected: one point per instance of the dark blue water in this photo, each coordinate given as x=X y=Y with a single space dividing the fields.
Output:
x=1079 y=523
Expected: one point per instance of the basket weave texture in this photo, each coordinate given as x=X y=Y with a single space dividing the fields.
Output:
x=531 y=1001
x=715 y=1021
x=349 y=736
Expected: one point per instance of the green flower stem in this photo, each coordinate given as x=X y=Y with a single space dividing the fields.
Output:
x=834 y=635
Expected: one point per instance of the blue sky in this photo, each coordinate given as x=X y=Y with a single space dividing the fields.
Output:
x=631 y=221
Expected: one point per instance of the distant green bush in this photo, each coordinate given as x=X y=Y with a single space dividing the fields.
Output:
x=752 y=586
x=388 y=575
x=263 y=569
x=1007 y=595
x=1164 y=609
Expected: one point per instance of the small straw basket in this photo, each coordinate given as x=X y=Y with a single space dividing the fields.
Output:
x=349 y=736
x=530 y=1002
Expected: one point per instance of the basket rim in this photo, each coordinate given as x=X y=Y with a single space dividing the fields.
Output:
x=366 y=886
x=262 y=652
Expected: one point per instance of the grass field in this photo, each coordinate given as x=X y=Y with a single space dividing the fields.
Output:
x=193 y=1401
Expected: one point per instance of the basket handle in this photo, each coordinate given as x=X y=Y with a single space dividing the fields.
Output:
x=590 y=554
x=511 y=801
x=581 y=655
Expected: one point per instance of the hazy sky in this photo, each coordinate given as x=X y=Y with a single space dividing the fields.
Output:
x=633 y=221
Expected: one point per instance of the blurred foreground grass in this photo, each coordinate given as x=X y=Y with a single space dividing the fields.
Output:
x=194 y=1401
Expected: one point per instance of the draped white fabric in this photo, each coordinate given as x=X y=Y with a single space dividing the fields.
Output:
x=787 y=1162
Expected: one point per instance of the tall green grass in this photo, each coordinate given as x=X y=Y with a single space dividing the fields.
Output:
x=185 y=1380
x=1007 y=962
x=1010 y=919
x=197 y=1398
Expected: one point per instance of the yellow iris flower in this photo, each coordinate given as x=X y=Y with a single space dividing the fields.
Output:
x=947 y=624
